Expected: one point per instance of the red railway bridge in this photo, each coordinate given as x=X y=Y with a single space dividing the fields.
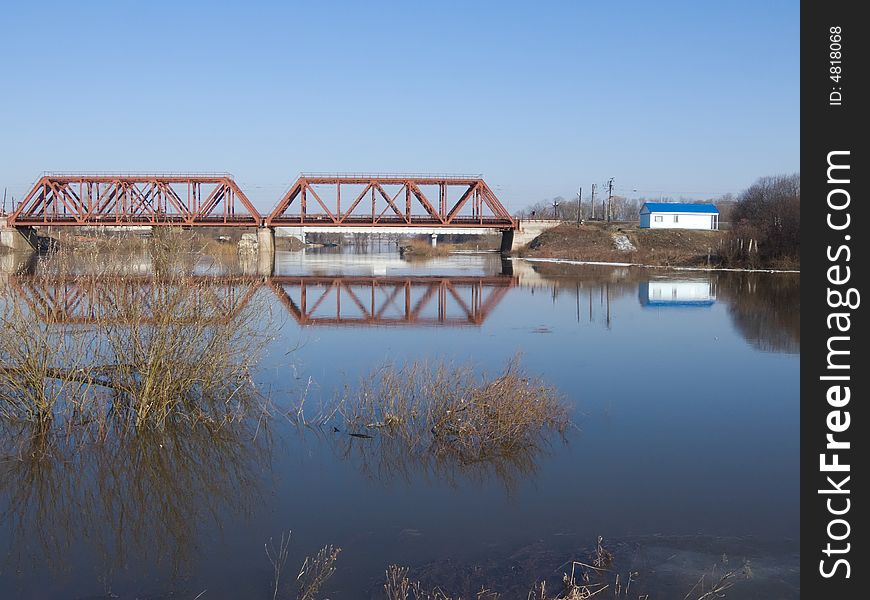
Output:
x=316 y=202
x=209 y=199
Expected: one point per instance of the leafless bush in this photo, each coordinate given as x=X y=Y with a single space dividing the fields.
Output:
x=152 y=349
x=420 y=248
x=449 y=418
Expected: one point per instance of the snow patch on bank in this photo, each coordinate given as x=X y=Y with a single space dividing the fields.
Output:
x=566 y=261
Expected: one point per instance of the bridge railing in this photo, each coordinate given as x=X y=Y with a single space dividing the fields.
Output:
x=447 y=176
x=135 y=174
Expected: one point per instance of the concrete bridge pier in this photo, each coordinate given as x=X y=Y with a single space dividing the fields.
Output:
x=266 y=251
x=434 y=240
x=507 y=241
x=18 y=239
x=527 y=230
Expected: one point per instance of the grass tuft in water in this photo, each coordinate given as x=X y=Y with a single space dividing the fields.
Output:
x=446 y=418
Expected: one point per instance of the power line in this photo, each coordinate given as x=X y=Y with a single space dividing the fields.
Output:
x=664 y=191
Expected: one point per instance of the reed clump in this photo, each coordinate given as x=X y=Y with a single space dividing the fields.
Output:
x=417 y=248
x=313 y=574
x=448 y=418
x=594 y=577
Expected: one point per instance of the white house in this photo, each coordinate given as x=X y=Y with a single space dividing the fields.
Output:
x=677 y=215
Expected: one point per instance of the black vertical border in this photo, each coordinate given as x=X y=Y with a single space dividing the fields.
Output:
x=826 y=128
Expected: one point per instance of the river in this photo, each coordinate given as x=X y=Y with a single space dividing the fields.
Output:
x=683 y=394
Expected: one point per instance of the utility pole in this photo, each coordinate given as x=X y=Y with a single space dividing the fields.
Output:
x=593 y=201
x=4 y=201
x=555 y=207
x=609 y=199
x=579 y=202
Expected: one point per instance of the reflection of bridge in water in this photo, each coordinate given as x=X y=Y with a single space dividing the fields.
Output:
x=364 y=300
x=310 y=299
x=88 y=300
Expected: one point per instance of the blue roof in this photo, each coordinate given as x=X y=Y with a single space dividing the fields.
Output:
x=680 y=207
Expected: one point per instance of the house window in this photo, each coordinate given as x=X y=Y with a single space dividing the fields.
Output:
x=676 y=218
x=658 y=219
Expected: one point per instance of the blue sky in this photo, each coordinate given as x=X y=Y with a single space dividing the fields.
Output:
x=686 y=99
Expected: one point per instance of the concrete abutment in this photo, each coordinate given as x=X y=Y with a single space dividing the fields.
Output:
x=18 y=239
x=514 y=239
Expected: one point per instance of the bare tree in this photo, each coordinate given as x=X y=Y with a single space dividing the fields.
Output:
x=768 y=213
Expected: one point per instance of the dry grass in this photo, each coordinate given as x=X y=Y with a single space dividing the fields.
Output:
x=313 y=574
x=596 y=578
x=447 y=419
x=716 y=583
x=595 y=242
x=417 y=248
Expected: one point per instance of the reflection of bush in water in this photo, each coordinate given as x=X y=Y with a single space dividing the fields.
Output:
x=132 y=494
x=765 y=309
x=447 y=420
x=122 y=434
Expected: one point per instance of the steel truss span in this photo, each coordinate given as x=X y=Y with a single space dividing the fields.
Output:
x=390 y=201
x=129 y=200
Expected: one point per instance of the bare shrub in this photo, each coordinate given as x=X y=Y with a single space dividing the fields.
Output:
x=154 y=349
x=448 y=418
x=420 y=248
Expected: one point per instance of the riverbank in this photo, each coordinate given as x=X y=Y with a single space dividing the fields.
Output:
x=625 y=244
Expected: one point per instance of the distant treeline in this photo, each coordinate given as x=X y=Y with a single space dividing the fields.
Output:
x=622 y=209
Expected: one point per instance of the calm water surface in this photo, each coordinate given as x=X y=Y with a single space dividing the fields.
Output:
x=683 y=388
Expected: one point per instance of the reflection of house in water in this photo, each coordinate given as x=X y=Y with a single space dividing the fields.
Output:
x=675 y=292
